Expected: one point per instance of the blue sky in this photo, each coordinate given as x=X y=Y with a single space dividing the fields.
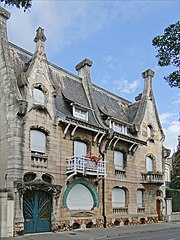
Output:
x=115 y=35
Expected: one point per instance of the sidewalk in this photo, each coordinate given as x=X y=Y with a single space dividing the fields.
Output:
x=97 y=234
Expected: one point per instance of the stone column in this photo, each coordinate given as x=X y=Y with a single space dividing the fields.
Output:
x=3 y=213
x=18 y=216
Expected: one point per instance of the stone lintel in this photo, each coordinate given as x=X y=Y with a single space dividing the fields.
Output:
x=148 y=73
x=4 y=13
x=85 y=62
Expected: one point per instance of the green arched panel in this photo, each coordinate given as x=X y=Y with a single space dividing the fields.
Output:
x=87 y=184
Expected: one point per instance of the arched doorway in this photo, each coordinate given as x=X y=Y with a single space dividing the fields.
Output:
x=158 y=209
x=37 y=206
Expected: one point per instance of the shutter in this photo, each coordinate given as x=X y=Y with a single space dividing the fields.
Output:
x=80 y=198
x=37 y=141
x=80 y=149
x=38 y=96
x=118 y=160
x=118 y=198
x=149 y=167
x=139 y=198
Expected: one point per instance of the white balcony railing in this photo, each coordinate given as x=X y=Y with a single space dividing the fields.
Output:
x=86 y=166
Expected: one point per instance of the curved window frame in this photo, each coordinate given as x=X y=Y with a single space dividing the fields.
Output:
x=150 y=163
x=80 y=148
x=120 y=193
x=140 y=198
x=38 y=96
x=87 y=184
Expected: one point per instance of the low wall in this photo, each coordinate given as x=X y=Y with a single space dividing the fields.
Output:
x=175 y=216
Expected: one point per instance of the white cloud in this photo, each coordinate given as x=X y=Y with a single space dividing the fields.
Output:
x=171 y=129
x=165 y=118
x=67 y=22
x=171 y=133
x=126 y=87
x=111 y=61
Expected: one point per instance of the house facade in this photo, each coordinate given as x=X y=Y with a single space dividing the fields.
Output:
x=73 y=155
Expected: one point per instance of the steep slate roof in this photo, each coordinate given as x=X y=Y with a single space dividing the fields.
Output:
x=69 y=89
x=72 y=91
x=111 y=104
x=133 y=108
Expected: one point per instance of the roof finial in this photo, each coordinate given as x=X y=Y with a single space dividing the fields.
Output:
x=40 y=35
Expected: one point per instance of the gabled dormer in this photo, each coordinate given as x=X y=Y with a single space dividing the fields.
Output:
x=146 y=118
x=38 y=78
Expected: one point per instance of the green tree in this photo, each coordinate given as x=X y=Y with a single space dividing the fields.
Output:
x=25 y=4
x=176 y=167
x=168 y=46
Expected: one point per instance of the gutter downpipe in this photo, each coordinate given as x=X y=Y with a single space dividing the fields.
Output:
x=108 y=136
x=103 y=187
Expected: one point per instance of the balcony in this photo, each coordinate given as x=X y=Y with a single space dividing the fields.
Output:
x=152 y=178
x=85 y=166
x=140 y=210
x=120 y=211
x=38 y=160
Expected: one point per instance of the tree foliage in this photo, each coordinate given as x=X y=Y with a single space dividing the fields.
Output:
x=168 y=46
x=176 y=167
x=25 y=4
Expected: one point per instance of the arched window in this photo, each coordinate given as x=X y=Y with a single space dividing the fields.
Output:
x=139 y=198
x=38 y=96
x=80 y=149
x=118 y=198
x=80 y=198
x=149 y=164
x=37 y=141
x=118 y=160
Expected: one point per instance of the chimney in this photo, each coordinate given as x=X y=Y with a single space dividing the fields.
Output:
x=148 y=75
x=83 y=69
x=4 y=16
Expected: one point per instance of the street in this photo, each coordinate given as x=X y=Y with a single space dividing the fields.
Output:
x=157 y=231
x=169 y=234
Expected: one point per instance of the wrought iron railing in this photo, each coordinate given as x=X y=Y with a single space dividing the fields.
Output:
x=86 y=166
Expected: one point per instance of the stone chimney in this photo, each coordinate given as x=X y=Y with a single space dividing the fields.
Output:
x=83 y=69
x=4 y=16
x=148 y=75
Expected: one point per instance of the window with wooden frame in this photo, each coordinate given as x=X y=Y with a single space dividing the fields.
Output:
x=80 y=113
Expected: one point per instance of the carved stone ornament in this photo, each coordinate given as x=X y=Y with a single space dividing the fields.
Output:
x=38 y=185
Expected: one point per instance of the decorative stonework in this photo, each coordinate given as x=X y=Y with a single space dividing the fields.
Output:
x=63 y=225
x=36 y=185
x=19 y=228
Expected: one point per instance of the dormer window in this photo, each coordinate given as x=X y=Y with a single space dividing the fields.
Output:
x=38 y=96
x=120 y=128
x=80 y=113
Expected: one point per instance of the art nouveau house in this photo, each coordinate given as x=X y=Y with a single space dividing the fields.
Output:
x=73 y=155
